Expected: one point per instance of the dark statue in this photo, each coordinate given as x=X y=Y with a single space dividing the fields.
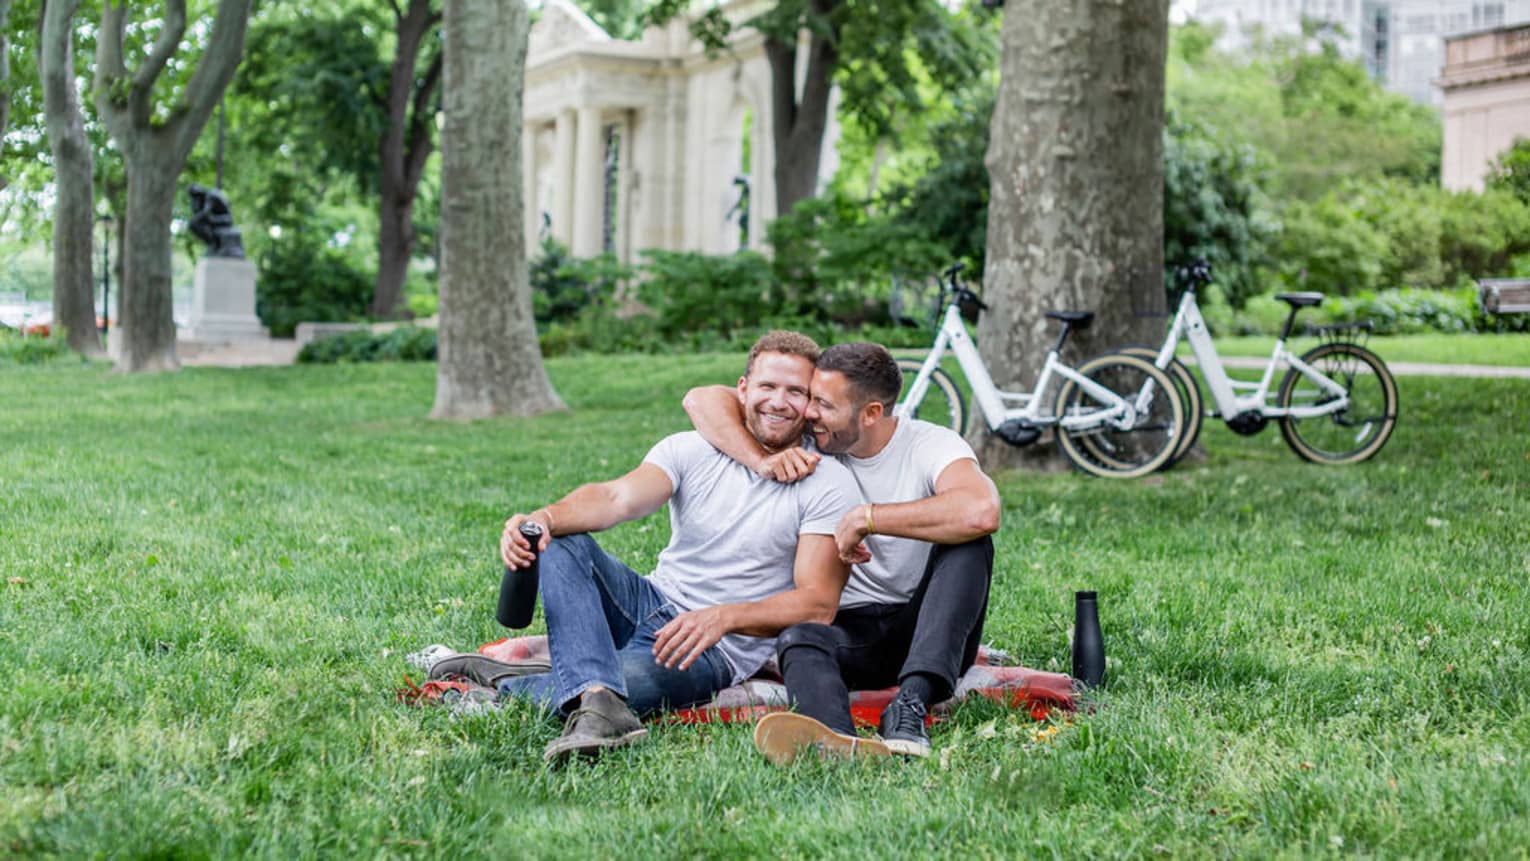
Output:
x=213 y=222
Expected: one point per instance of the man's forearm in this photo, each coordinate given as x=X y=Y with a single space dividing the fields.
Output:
x=955 y=517
x=775 y=614
x=717 y=415
x=589 y=508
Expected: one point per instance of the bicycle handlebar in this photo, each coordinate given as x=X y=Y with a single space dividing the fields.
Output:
x=1196 y=274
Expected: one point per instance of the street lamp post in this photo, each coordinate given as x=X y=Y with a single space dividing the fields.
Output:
x=106 y=271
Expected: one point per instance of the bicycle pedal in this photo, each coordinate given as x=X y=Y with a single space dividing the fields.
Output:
x=1018 y=432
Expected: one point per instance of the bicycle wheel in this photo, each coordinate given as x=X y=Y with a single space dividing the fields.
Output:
x=1106 y=450
x=942 y=403
x=1360 y=429
x=1189 y=393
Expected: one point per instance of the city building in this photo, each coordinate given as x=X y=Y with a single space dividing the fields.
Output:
x=1401 y=42
x=1486 y=91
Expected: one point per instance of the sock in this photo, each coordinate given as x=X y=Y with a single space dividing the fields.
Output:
x=919 y=687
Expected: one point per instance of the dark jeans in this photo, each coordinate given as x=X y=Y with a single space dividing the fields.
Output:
x=879 y=645
x=601 y=620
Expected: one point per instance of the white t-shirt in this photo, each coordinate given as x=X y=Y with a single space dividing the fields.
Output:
x=733 y=534
x=904 y=470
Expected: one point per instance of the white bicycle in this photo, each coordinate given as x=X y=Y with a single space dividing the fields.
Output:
x=1337 y=403
x=1100 y=430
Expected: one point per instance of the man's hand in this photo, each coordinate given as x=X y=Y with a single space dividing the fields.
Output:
x=688 y=635
x=789 y=465
x=514 y=549
x=850 y=534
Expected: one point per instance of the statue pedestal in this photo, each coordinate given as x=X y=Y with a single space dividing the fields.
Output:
x=223 y=302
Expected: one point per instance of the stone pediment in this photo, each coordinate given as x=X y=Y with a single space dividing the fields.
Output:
x=563 y=25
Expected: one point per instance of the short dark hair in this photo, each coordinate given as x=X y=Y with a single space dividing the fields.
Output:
x=871 y=370
x=783 y=341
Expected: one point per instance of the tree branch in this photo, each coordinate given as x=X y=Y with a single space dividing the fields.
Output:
x=109 y=62
x=213 y=72
x=164 y=48
x=420 y=122
x=782 y=56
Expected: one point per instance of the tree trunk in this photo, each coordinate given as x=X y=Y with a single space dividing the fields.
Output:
x=403 y=151
x=155 y=148
x=489 y=362
x=145 y=306
x=5 y=81
x=798 y=125
x=74 y=211
x=1075 y=165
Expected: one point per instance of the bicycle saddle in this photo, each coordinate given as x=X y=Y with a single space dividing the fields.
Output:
x=1300 y=300
x=1079 y=319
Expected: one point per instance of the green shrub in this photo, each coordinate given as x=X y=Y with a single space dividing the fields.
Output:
x=34 y=349
x=403 y=344
x=303 y=280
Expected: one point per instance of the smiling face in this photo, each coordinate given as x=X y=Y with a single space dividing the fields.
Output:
x=775 y=395
x=832 y=413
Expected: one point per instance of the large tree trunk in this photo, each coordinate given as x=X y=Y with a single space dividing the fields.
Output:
x=403 y=151
x=155 y=147
x=489 y=361
x=74 y=211
x=1075 y=165
x=146 y=304
x=798 y=125
x=5 y=79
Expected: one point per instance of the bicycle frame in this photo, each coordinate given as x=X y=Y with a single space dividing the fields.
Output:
x=1233 y=397
x=999 y=406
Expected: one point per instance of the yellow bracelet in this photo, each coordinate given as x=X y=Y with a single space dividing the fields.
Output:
x=870 y=527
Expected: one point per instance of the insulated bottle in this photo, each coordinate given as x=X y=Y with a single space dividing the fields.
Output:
x=518 y=591
x=1088 y=644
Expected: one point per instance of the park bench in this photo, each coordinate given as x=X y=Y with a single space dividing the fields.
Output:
x=1505 y=295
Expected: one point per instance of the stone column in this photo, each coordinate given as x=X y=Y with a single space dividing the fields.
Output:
x=533 y=218
x=589 y=183
x=563 y=182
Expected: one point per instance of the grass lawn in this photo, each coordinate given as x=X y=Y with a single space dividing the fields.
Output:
x=212 y=578
x=1502 y=350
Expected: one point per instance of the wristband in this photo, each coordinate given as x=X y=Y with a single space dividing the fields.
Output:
x=549 y=519
x=870 y=527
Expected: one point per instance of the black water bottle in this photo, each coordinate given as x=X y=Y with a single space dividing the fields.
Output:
x=518 y=591
x=1088 y=644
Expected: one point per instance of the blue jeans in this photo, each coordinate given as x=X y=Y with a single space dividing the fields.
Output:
x=601 y=620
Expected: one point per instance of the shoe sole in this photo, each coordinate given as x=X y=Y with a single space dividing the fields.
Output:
x=558 y=753
x=784 y=736
x=907 y=748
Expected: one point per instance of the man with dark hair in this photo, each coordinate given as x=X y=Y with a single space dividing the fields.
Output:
x=747 y=558
x=912 y=613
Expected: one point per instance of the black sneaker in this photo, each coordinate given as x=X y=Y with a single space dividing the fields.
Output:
x=601 y=722
x=484 y=670
x=903 y=727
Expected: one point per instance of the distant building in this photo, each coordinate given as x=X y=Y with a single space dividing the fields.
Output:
x=1486 y=93
x=1401 y=42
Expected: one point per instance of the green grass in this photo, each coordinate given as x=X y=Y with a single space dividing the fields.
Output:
x=1502 y=350
x=212 y=577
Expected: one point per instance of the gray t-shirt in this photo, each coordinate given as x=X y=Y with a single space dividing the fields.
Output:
x=733 y=534
x=905 y=470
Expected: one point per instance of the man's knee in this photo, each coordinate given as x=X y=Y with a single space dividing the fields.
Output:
x=810 y=635
x=578 y=549
x=974 y=558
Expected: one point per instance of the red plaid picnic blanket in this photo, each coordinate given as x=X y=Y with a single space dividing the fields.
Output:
x=1017 y=687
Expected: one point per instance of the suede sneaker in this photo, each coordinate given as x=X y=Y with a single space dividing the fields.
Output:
x=602 y=722
x=784 y=736
x=484 y=670
x=903 y=726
